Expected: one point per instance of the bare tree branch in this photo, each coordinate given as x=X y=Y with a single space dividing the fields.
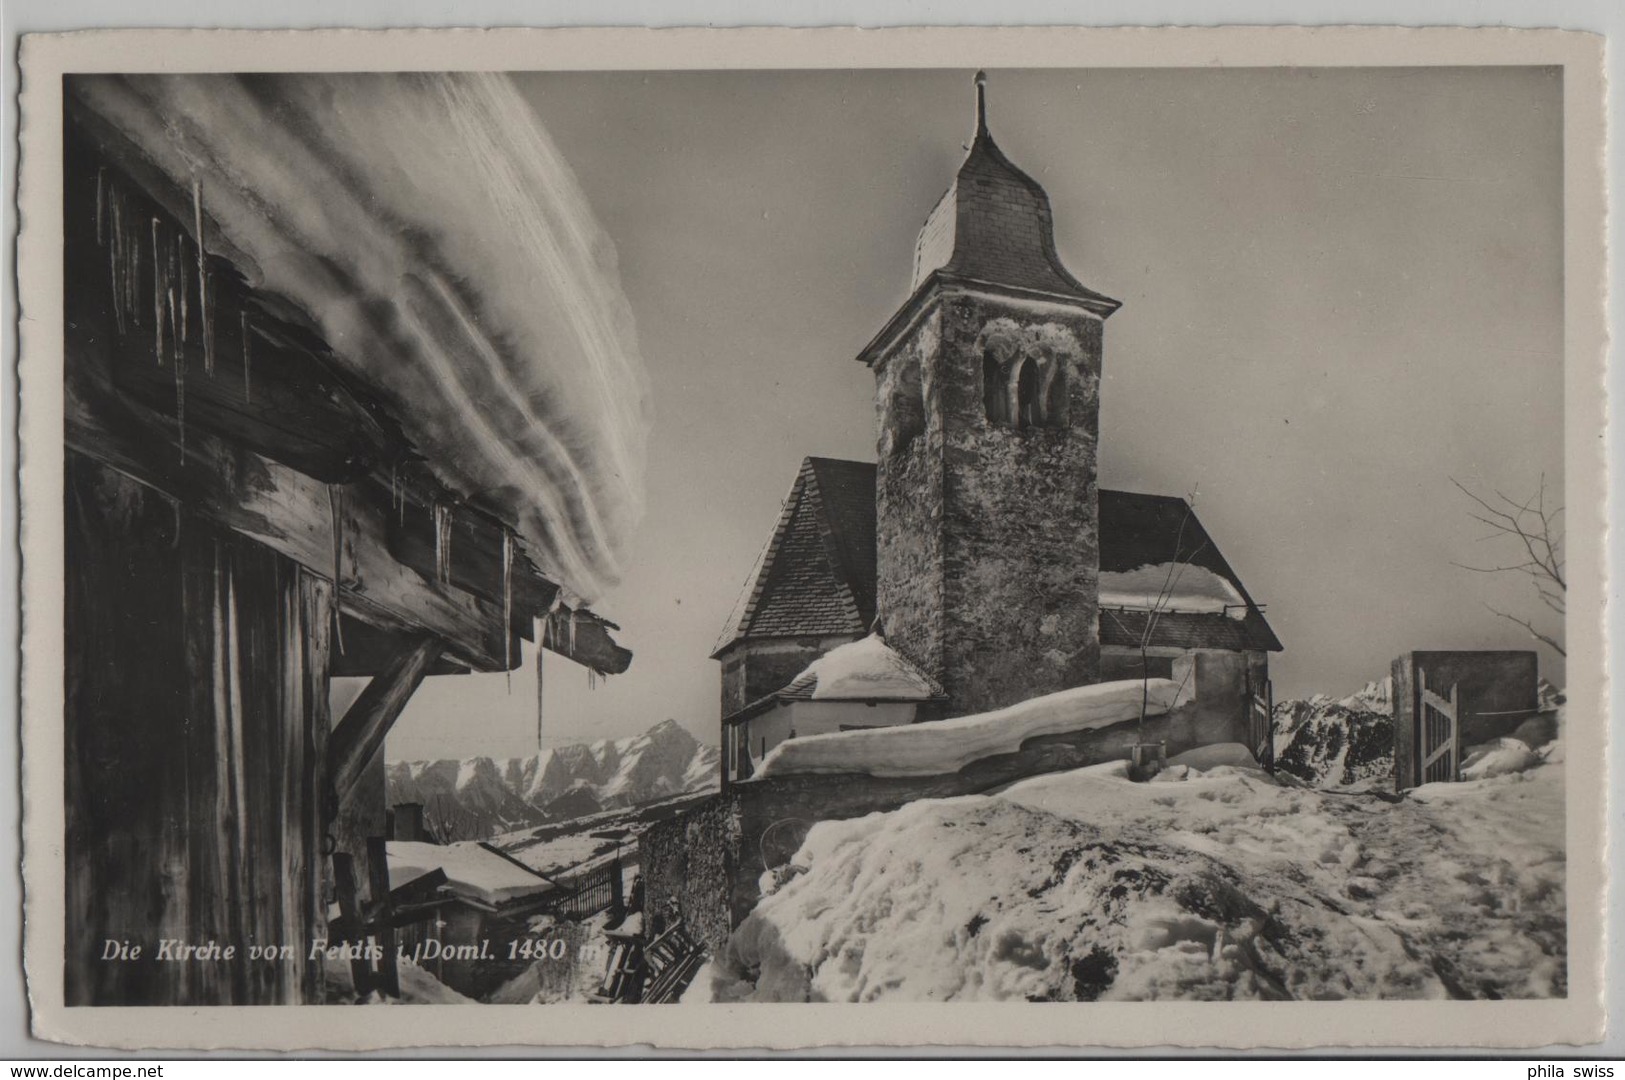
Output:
x=1539 y=532
x=1536 y=634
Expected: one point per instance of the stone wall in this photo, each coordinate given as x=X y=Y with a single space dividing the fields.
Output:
x=710 y=861
x=988 y=551
x=689 y=862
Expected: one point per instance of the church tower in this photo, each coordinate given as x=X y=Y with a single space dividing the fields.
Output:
x=987 y=385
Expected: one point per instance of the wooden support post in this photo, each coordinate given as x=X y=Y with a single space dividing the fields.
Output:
x=361 y=733
x=389 y=977
x=351 y=924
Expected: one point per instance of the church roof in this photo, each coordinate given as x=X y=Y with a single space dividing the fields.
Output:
x=993 y=229
x=994 y=224
x=816 y=577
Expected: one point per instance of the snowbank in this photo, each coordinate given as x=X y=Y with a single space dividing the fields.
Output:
x=1171 y=587
x=946 y=746
x=865 y=669
x=431 y=229
x=1498 y=758
x=1223 y=885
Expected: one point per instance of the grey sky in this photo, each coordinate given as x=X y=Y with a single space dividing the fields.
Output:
x=1341 y=288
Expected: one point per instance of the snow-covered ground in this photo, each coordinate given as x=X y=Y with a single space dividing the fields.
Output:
x=1214 y=881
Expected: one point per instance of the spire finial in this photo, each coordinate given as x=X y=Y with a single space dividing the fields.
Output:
x=981 y=103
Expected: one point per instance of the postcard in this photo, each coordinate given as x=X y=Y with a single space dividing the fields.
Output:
x=1041 y=538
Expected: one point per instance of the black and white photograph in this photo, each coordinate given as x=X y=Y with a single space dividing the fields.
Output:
x=965 y=531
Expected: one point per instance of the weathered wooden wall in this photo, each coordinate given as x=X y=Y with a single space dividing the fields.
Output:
x=196 y=727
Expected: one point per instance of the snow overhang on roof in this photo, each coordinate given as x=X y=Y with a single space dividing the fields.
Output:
x=430 y=233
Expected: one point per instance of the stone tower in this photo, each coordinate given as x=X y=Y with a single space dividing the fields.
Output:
x=987 y=388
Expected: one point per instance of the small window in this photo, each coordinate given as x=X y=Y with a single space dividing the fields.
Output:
x=995 y=389
x=1029 y=402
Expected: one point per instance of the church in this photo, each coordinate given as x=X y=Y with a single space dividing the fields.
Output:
x=977 y=563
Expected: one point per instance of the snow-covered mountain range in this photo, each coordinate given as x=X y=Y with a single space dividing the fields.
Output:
x=479 y=797
x=1337 y=741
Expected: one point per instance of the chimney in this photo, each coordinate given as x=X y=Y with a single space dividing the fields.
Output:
x=406 y=820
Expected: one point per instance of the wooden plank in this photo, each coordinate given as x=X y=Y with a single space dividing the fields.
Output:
x=589 y=645
x=383 y=929
x=474 y=556
x=290 y=409
x=1447 y=706
x=368 y=650
x=351 y=926
x=293 y=514
x=361 y=733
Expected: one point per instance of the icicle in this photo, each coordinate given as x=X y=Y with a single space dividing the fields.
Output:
x=101 y=206
x=205 y=314
x=132 y=274
x=540 y=653
x=442 y=542
x=177 y=262
x=335 y=499
x=157 y=299
x=507 y=606
x=115 y=263
x=180 y=401
x=572 y=632
x=248 y=390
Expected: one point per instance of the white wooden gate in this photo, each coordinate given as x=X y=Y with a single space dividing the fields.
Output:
x=1438 y=734
x=1261 y=723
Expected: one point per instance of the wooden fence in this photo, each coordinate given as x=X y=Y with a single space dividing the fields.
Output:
x=589 y=892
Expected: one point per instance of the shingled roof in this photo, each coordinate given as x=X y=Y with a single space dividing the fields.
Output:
x=816 y=577
x=995 y=225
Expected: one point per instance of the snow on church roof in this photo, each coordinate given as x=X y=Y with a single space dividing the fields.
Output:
x=864 y=670
x=430 y=231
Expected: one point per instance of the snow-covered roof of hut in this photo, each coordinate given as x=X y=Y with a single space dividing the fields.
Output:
x=472 y=872
x=428 y=229
x=864 y=670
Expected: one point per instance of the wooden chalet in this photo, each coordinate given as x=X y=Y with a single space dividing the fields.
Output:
x=246 y=518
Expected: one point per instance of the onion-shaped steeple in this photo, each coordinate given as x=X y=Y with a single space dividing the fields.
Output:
x=994 y=225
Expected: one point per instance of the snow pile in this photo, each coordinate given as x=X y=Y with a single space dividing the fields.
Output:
x=865 y=669
x=471 y=870
x=1499 y=758
x=418 y=987
x=1335 y=743
x=1221 y=883
x=1171 y=587
x=574 y=976
x=428 y=225
x=945 y=746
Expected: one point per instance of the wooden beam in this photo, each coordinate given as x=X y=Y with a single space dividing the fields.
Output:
x=589 y=645
x=361 y=733
x=289 y=512
x=474 y=556
x=368 y=650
